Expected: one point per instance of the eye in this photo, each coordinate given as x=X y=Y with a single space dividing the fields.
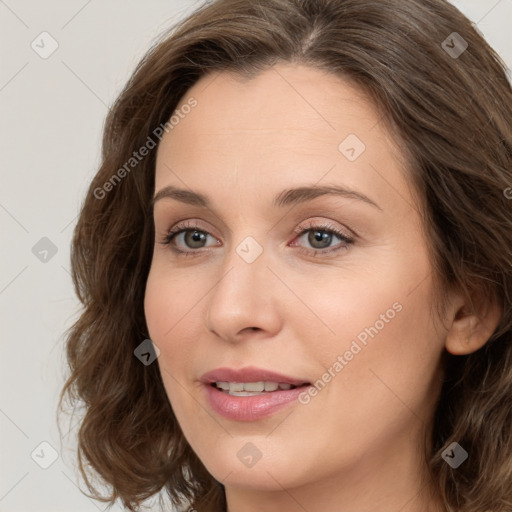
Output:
x=320 y=237
x=193 y=239
x=187 y=237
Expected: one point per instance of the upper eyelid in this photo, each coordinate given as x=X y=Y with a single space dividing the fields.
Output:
x=164 y=217
x=189 y=225
x=326 y=224
x=310 y=208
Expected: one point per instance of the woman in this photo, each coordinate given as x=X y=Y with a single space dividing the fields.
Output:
x=294 y=263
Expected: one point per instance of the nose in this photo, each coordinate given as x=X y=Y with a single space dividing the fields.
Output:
x=244 y=301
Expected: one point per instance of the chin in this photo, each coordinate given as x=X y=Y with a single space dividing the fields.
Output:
x=262 y=477
x=241 y=462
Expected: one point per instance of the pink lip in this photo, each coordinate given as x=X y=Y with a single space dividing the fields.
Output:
x=249 y=408
x=249 y=374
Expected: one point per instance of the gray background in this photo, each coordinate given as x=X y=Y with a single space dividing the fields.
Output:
x=52 y=116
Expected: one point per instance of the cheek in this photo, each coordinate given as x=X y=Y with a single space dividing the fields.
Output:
x=390 y=358
x=171 y=307
x=380 y=324
x=156 y=302
x=169 y=300
x=163 y=308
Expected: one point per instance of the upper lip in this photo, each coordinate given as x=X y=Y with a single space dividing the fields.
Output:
x=249 y=374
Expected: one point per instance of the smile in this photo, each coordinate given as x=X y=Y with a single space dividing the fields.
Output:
x=252 y=388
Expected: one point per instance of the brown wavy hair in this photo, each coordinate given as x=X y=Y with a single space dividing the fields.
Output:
x=452 y=115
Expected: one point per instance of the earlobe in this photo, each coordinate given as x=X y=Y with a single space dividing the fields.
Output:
x=470 y=330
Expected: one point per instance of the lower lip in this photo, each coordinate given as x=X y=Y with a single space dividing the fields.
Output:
x=250 y=408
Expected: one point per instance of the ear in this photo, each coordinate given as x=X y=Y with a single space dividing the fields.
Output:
x=470 y=329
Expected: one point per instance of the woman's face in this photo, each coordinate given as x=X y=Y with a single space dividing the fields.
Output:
x=272 y=270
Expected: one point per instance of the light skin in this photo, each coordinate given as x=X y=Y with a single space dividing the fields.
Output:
x=356 y=446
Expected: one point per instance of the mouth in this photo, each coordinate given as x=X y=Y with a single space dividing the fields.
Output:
x=254 y=388
x=250 y=393
x=250 y=378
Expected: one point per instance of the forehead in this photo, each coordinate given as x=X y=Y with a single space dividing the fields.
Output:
x=286 y=125
x=285 y=98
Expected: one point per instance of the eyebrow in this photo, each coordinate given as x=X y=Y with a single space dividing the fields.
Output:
x=285 y=198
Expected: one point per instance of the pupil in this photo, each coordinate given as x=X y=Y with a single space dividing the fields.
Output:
x=319 y=239
x=195 y=237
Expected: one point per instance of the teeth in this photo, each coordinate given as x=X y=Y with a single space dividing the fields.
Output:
x=236 y=386
x=251 y=388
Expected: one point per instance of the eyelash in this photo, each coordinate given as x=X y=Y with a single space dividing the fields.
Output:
x=326 y=227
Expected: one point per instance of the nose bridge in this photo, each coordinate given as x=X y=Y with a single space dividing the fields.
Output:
x=243 y=296
x=244 y=271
